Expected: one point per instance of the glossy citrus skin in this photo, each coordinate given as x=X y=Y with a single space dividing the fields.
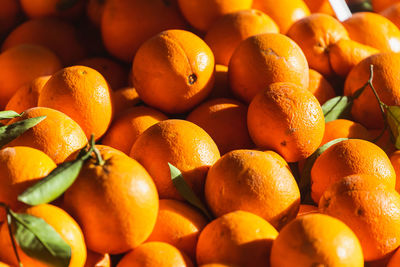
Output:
x=83 y=94
x=20 y=168
x=392 y=13
x=62 y=223
x=370 y=209
x=229 y=30
x=155 y=254
x=225 y=120
x=366 y=108
x=184 y=145
x=57 y=135
x=395 y=160
x=263 y=59
x=239 y=238
x=316 y=240
x=124 y=99
x=314 y=34
x=181 y=73
x=342 y=128
x=263 y=181
x=353 y=156
x=22 y=64
x=178 y=224
x=284 y=12
x=125 y=129
x=113 y=222
x=55 y=34
x=97 y=260
x=125 y=25
x=287 y=119
x=9 y=15
x=320 y=87
x=50 y=8
x=374 y=30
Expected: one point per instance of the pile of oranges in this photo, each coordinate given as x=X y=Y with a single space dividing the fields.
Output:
x=210 y=133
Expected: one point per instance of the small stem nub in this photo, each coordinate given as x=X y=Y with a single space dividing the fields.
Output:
x=9 y=223
x=100 y=160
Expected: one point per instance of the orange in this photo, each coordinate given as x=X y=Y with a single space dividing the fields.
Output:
x=61 y=222
x=94 y=11
x=263 y=181
x=178 y=224
x=114 y=73
x=380 y=5
x=374 y=30
x=97 y=260
x=353 y=156
x=238 y=238
x=345 y=54
x=9 y=15
x=287 y=119
x=307 y=209
x=2 y=264
x=385 y=141
x=365 y=108
x=221 y=85
x=58 y=135
x=342 y=128
x=394 y=260
x=320 y=87
x=155 y=254
x=116 y=203
x=370 y=209
x=283 y=12
x=21 y=64
x=27 y=96
x=52 y=33
x=52 y=8
x=225 y=120
x=83 y=94
x=202 y=14
x=126 y=128
x=315 y=34
x=320 y=6
x=316 y=240
x=125 y=25
x=20 y=168
x=229 y=30
x=217 y=265
x=182 y=144
x=181 y=73
x=124 y=99
x=395 y=160
x=263 y=59
x=392 y=13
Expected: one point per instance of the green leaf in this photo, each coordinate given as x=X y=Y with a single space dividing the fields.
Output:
x=8 y=114
x=305 y=181
x=39 y=240
x=338 y=107
x=393 y=119
x=63 y=5
x=12 y=131
x=185 y=191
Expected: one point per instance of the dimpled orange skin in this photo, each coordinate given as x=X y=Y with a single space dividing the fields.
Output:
x=125 y=25
x=380 y=5
x=395 y=160
x=57 y=135
x=374 y=30
x=263 y=181
x=21 y=64
x=283 y=12
x=365 y=108
x=178 y=224
x=316 y=240
x=83 y=94
x=342 y=128
x=370 y=209
x=345 y=54
x=263 y=59
x=125 y=129
x=239 y=238
x=52 y=8
x=392 y=13
x=314 y=34
x=225 y=120
x=20 y=168
x=229 y=30
x=116 y=204
x=155 y=254
x=184 y=145
x=287 y=119
x=97 y=260
x=320 y=87
x=353 y=156
x=61 y=222
x=124 y=99
x=181 y=73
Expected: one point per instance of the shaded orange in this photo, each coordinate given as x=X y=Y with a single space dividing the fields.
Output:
x=97 y=260
x=342 y=128
x=320 y=87
x=384 y=142
x=320 y=6
x=392 y=13
x=10 y=13
x=380 y=5
x=394 y=260
x=94 y=11
x=124 y=98
x=395 y=160
x=307 y=209
x=52 y=8
x=221 y=88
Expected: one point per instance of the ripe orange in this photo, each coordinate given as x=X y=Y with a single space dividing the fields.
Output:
x=307 y=209
x=394 y=260
x=52 y=8
x=379 y=5
x=287 y=119
x=97 y=260
x=342 y=128
x=124 y=99
x=10 y=13
x=181 y=73
x=353 y=156
x=320 y=6
x=384 y=142
x=181 y=143
x=320 y=87
x=221 y=87
x=229 y=30
x=395 y=160
x=94 y=11
x=263 y=59
x=392 y=13
x=316 y=240
x=238 y=238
